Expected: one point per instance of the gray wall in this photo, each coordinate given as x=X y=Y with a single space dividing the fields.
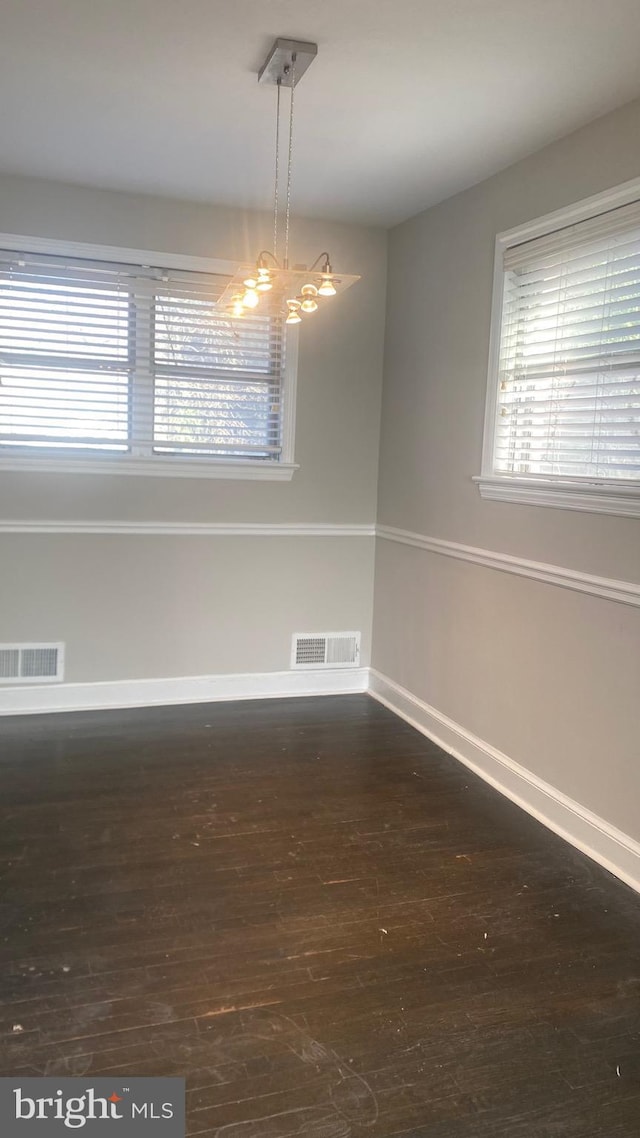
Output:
x=549 y=677
x=173 y=605
x=137 y=607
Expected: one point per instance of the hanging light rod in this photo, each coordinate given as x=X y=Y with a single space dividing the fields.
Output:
x=271 y=282
x=278 y=66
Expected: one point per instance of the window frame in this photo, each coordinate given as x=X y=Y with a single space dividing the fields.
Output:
x=605 y=496
x=280 y=469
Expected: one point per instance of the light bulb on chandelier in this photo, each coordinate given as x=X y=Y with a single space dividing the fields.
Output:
x=264 y=283
x=309 y=293
x=236 y=307
x=327 y=288
x=250 y=298
x=270 y=280
x=293 y=312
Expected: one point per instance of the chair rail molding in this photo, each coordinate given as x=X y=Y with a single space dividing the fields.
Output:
x=608 y=588
x=191 y=529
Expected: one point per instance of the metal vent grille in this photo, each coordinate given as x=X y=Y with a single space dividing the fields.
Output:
x=310 y=650
x=31 y=663
x=9 y=663
x=325 y=650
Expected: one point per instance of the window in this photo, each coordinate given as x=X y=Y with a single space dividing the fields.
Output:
x=110 y=365
x=563 y=407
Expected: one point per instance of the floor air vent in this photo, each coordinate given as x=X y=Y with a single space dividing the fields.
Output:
x=31 y=663
x=325 y=650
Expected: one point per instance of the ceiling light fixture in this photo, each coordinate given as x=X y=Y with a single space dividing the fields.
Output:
x=292 y=290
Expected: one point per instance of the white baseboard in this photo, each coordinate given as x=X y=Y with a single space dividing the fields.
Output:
x=38 y=699
x=608 y=846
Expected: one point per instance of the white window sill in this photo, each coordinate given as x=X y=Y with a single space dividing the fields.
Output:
x=162 y=467
x=622 y=499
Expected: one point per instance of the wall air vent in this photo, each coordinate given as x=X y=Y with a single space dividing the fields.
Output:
x=325 y=650
x=31 y=663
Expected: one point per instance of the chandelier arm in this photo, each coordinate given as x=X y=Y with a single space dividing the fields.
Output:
x=290 y=155
x=321 y=257
x=267 y=253
x=277 y=172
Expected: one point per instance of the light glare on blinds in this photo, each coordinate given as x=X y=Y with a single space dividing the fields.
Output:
x=569 y=368
x=99 y=356
x=216 y=391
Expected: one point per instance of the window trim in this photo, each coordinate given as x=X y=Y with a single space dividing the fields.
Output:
x=621 y=498
x=279 y=470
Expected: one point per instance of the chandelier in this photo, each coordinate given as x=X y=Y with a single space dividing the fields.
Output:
x=293 y=292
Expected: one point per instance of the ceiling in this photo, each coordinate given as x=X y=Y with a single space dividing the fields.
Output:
x=408 y=101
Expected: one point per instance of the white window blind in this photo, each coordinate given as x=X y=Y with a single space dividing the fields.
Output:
x=568 y=405
x=119 y=359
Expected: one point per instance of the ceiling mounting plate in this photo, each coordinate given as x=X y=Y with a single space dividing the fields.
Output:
x=279 y=63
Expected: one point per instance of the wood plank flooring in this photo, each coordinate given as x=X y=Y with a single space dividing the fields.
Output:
x=331 y=928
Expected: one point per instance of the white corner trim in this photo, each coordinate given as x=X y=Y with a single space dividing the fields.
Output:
x=622 y=501
x=192 y=529
x=609 y=588
x=604 y=843
x=35 y=700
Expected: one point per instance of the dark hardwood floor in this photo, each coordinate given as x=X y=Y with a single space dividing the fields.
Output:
x=331 y=928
